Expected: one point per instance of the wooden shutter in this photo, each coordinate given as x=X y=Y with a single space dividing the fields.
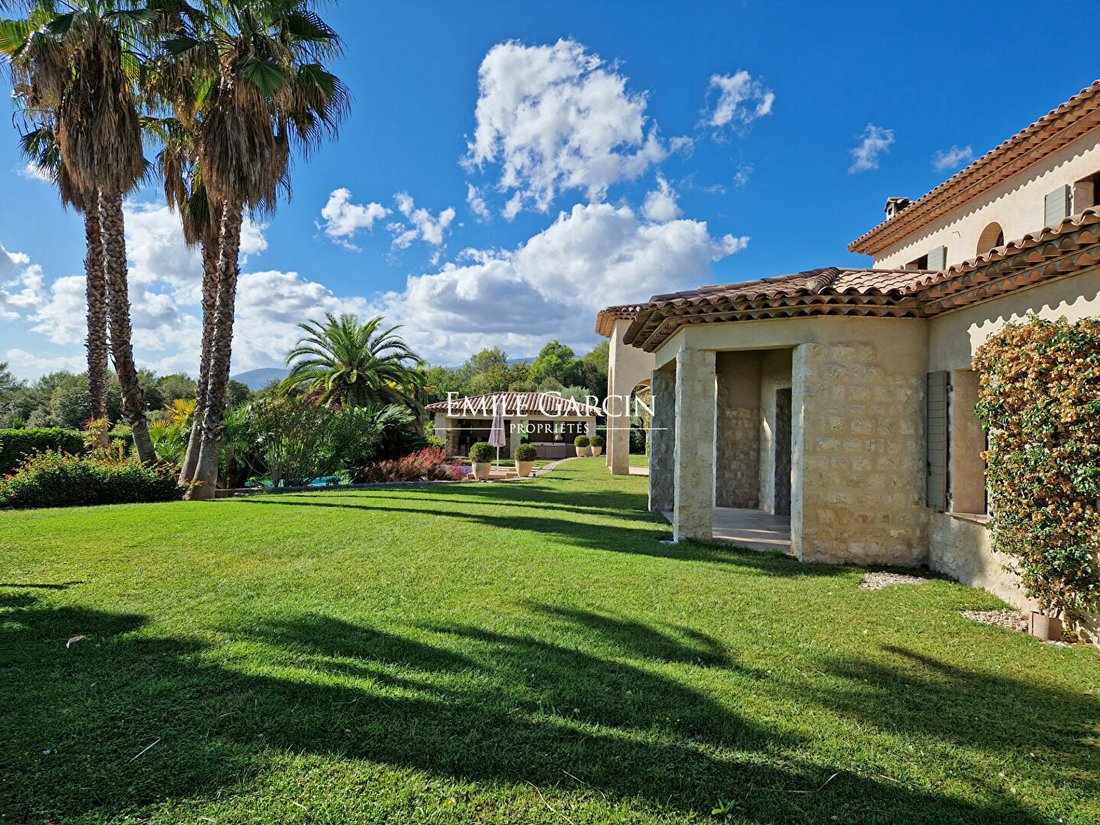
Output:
x=937 y=258
x=1056 y=206
x=936 y=429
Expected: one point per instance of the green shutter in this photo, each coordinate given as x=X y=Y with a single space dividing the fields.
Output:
x=936 y=430
x=1056 y=206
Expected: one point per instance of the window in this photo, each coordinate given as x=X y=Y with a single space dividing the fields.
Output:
x=935 y=259
x=955 y=442
x=966 y=467
x=1086 y=193
x=992 y=237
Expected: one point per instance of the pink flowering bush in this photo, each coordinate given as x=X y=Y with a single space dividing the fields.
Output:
x=428 y=464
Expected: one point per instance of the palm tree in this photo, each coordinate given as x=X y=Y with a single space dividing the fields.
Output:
x=41 y=148
x=259 y=80
x=345 y=363
x=73 y=62
x=200 y=215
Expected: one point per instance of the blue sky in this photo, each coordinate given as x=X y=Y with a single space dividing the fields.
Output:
x=512 y=167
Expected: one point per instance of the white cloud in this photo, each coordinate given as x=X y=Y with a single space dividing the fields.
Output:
x=31 y=365
x=551 y=285
x=874 y=142
x=953 y=158
x=344 y=219
x=32 y=171
x=741 y=99
x=556 y=118
x=742 y=175
x=476 y=202
x=421 y=225
x=21 y=285
x=660 y=204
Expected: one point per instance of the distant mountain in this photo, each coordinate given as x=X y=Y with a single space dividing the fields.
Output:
x=258 y=379
x=528 y=360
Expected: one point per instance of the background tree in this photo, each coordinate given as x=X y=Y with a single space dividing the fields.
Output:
x=555 y=360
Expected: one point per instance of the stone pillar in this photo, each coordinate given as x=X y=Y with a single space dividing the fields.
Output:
x=618 y=436
x=514 y=435
x=694 y=451
x=662 y=435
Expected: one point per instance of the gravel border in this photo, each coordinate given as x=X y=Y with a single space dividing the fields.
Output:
x=880 y=579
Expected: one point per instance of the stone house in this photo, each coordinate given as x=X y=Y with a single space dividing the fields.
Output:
x=549 y=421
x=843 y=398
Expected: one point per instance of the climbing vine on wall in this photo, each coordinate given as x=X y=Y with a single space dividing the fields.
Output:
x=1039 y=401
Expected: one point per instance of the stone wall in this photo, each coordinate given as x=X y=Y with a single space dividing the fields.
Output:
x=737 y=468
x=858 y=449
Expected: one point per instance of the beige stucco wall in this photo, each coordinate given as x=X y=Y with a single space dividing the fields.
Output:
x=627 y=367
x=1016 y=204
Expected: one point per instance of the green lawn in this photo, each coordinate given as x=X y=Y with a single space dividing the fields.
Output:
x=508 y=653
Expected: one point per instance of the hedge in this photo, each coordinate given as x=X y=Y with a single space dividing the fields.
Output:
x=16 y=445
x=53 y=479
x=1039 y=399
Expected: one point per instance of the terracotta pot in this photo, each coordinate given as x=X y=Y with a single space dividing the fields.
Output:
x=597 y=451
x=524 y=468
x=582 y=452
x=482 y=469
x=1047 y=628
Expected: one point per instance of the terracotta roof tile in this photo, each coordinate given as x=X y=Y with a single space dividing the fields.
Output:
x=1059 y=127
x=605 y=320
x=1053 y=252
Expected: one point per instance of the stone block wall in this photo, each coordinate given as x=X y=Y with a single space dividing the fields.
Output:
x=858 y=450
x=737 y=471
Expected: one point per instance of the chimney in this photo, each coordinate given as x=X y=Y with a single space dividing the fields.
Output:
x=894 y=206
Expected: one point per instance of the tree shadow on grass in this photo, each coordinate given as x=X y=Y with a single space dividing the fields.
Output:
x=922 y=696
x=124 y=720
x=644 y=540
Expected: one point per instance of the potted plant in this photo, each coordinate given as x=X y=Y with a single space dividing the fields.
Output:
x=481 y=456
x=597 y=444
x=581 y=442
x=525 y=459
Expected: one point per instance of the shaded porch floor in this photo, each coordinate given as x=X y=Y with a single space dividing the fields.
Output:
x=754 y=529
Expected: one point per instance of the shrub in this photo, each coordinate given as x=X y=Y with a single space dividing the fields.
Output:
x=17 y=445
x=428 y=464
x=482 y=452
x=598 y=441
x=526 y=452
x=55 y=479
x=1039 y=400
x=581 y=441
x=299 y=441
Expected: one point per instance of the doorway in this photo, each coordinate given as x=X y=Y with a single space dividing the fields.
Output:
x=783 y=404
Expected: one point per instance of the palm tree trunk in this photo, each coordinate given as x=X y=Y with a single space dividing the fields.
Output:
x=96 y=291
x=209 y=308
x=118 y=314
x=221 y=353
